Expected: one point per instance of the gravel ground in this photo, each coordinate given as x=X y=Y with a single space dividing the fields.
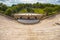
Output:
x=45 y=30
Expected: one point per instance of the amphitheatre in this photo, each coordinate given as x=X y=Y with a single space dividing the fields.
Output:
x=28 y=18
x=47 y=29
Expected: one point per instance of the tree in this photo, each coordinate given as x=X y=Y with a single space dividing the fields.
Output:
x=23 y=11
x=57 y=9
x=30 y=10
x=3 y=7
x=9 y=12
x=48 y=10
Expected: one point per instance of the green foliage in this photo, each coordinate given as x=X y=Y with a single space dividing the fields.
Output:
x=3 y=7
x=23 y=11
x=48 y=9
x=14 y=9
x=30 y=10
x=40 y=11
x=9 y=12
x=57 y=9
x=1 y=11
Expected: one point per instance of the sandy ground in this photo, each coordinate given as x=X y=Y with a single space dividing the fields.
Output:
x=45 y=30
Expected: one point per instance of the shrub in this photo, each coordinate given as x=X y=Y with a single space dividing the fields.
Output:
x=9 y=12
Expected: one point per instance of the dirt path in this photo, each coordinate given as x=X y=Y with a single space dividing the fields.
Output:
x=45 y=30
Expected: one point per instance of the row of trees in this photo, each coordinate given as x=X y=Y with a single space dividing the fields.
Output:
x=47 y=9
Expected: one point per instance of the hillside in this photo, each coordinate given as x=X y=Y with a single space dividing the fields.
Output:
x=45 y=30
x=40 y=8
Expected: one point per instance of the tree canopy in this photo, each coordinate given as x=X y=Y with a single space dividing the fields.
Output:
x=48 y=9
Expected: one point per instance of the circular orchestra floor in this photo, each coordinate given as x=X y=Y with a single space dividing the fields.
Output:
x=28 y=21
